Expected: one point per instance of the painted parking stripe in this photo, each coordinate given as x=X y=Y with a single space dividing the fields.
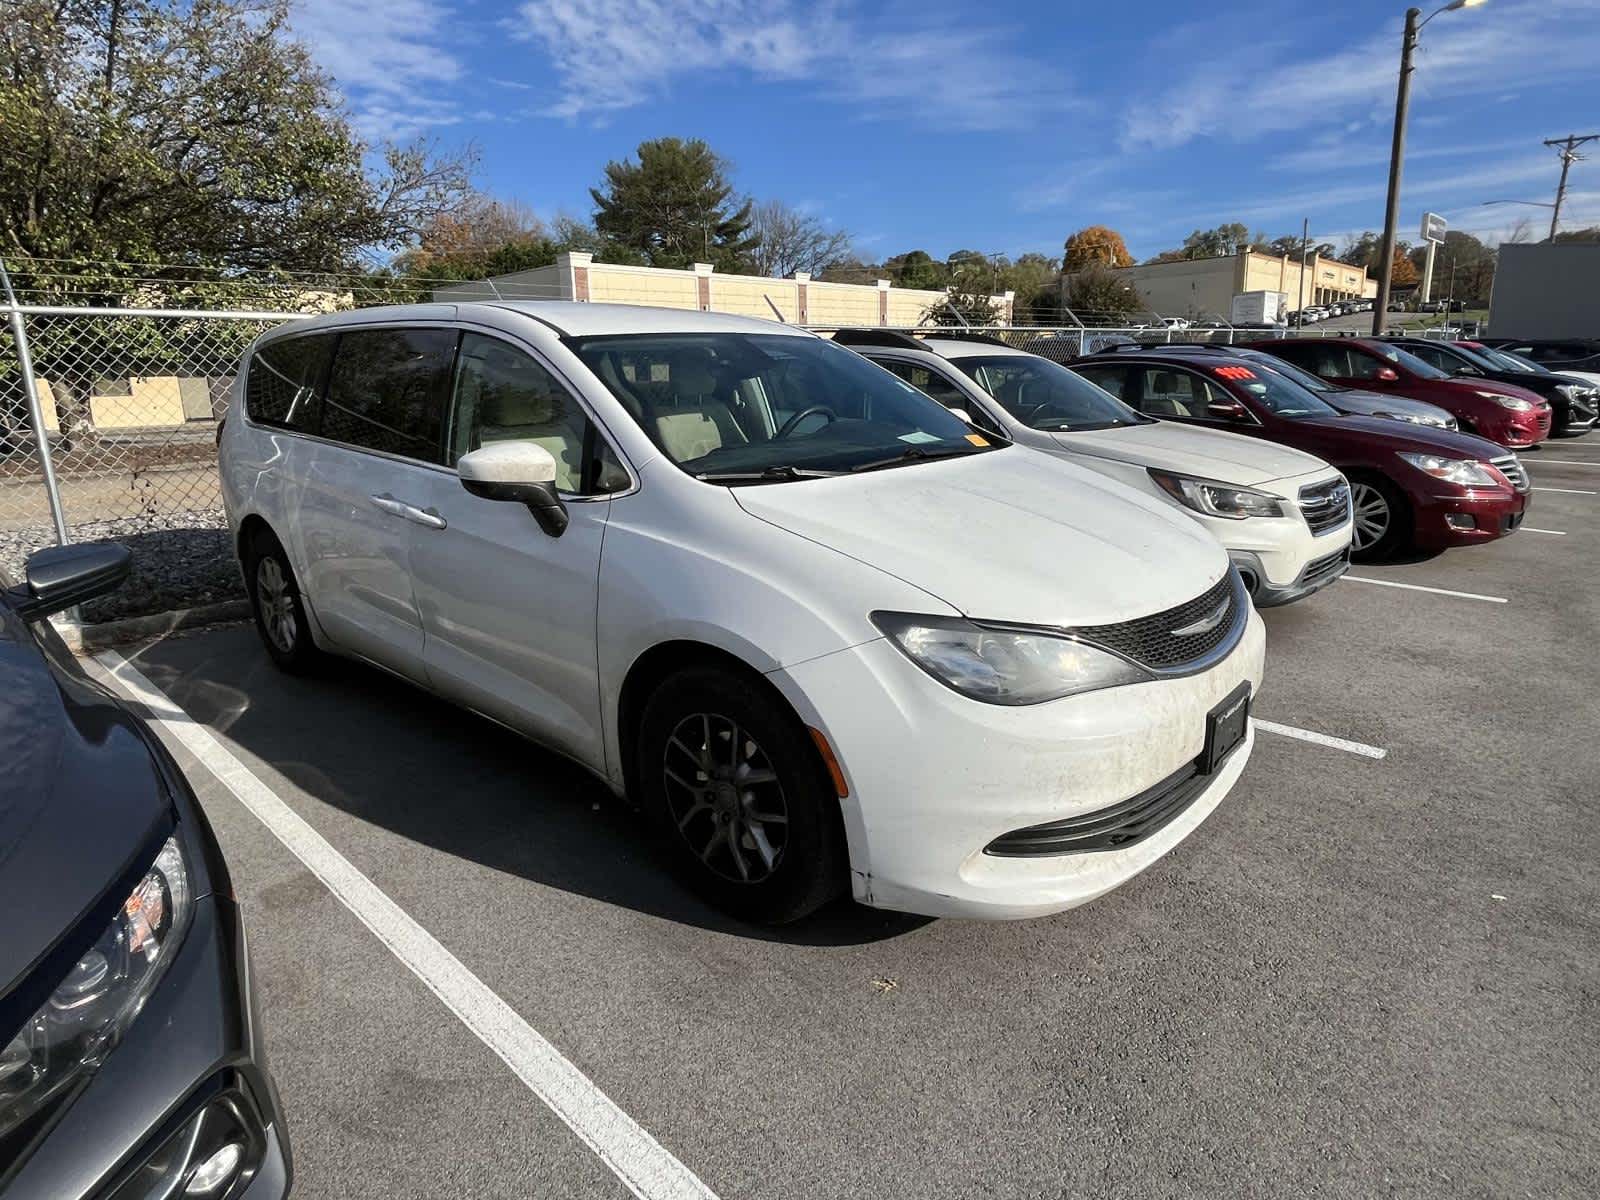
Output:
x=1565 y=462
x=1417 y=587
x=1320 y=739
x=1568 y=491
x=644 y=1166
x=1551 y=532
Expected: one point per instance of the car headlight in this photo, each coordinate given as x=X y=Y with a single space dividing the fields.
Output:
x=1216 y=499
x=1427 y=419
x=93 y=1006
x=1514 y=403
x=1465 y=471
x=1004 y=665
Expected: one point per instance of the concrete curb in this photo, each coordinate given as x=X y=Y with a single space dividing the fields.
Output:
x=90 y=638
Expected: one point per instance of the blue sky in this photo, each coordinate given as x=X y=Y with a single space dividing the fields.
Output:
x=998 y=127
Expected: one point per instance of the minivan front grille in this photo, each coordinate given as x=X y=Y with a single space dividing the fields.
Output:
x=1511 y=467
x=1180 y=636
x=1326 y=506
x=1114 y=828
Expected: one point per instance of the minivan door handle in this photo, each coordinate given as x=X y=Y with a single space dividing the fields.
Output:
x=388 y=504
x=428 y=518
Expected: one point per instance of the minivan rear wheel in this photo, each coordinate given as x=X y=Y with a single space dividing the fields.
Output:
x=275 y=601
x=1382 y=519
x=744 y=808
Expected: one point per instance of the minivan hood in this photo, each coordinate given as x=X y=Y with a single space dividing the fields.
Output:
x=82 y=799
x=1010 y=535
x=1207 y=453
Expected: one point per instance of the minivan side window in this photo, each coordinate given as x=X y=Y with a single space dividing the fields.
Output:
x=284 y=384
x=386 y=391
x=503 y=394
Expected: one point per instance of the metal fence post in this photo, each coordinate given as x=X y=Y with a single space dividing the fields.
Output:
x=41 y=437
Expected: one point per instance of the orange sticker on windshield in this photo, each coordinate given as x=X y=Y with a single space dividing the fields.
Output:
x=1235 y=372
x=977 y=440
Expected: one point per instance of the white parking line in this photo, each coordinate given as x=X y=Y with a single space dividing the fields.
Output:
x=1565 y=462
x=1417 y=587
x=645 y=1167
x=1568 y=491
x=1321 y=739
x=1551 y=532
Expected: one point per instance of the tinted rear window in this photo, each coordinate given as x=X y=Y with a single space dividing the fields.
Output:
x=285 y=380
x=387 y=391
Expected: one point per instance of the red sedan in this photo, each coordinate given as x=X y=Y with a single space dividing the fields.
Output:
x=1502 y=412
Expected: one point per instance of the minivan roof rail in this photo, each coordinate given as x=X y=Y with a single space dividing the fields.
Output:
x=877 y=337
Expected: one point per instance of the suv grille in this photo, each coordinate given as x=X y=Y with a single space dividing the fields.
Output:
x=1325 y=505
x=1511 y=467
x=1155 y=642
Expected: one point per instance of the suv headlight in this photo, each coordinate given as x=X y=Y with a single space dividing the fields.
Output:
x=1514 y=403
x=1004 y=665
x=1467 y=472
x=89 y=1010
x=1217 y=499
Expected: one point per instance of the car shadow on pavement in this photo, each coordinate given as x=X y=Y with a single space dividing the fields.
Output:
x=398 y=758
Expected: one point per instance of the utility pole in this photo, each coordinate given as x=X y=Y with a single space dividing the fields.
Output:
x=1305 y=249
x=1397 y=153
x=1569 y=155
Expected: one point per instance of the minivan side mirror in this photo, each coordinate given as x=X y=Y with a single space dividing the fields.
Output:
x=523 y=472
x=1387 y=375
x=59 y=577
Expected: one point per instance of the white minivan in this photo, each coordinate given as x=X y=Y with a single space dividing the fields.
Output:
x=1283 y=515
x=823 y=632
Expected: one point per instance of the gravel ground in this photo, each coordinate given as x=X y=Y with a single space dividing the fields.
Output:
x=172 y=568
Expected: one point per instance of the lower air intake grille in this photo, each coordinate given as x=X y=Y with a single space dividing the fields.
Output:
x=1107 y=828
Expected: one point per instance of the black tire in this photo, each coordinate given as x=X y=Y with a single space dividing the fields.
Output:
x=1374 y=498
x=275 y=601
x=687 y=738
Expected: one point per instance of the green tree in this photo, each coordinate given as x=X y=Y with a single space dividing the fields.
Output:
x=675 y=207
x=1214 y=243
x=916 y=269
x=192 y=132
x=1095 y=245
x=1098 y=296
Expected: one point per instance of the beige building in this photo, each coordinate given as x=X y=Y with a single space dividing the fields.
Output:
x=800 y=301
x=1205 y=287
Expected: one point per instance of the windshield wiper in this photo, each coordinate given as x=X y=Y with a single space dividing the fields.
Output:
x=912 y=454
x=782 y=473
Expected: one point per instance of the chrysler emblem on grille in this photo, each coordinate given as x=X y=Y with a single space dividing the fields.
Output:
x=1206 y=623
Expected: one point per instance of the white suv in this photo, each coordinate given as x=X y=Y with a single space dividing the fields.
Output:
x=1283 y=515
x=824 y=633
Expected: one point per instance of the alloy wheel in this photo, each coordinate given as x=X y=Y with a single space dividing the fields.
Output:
x=725 y=797
x=276 y=604
x=1372 y=515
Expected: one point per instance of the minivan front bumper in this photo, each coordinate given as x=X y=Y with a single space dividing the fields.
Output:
x=935 y=777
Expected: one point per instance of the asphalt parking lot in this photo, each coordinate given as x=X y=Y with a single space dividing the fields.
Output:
x=1363 y=975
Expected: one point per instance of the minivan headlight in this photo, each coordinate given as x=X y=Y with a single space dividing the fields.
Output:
x=1004 y=665
x=1465 y=471
x=93 y=1006
x=1216 y=499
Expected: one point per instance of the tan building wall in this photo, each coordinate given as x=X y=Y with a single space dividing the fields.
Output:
x=576 y=276
x=1205 y=287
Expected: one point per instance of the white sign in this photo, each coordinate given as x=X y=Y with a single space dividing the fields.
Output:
x=1433 y=227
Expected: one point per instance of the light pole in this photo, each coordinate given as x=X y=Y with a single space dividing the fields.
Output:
x=1397 y=152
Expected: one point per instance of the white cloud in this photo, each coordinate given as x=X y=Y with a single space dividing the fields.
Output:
x=616 y=54
x=1231 y=97
x=388 y=58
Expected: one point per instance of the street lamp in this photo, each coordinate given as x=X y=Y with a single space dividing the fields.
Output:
x=1397 y=152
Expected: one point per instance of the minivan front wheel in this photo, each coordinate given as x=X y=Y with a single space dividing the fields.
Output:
x=744 y=808
x=275 y=601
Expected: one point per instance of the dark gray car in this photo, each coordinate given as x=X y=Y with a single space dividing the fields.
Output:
x=131 y=1063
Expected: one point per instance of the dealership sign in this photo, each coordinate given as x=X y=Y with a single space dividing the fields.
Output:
x=1433 y=227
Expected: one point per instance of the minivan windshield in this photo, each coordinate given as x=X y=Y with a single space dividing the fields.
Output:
x=1045 y=395
x=737 y=408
